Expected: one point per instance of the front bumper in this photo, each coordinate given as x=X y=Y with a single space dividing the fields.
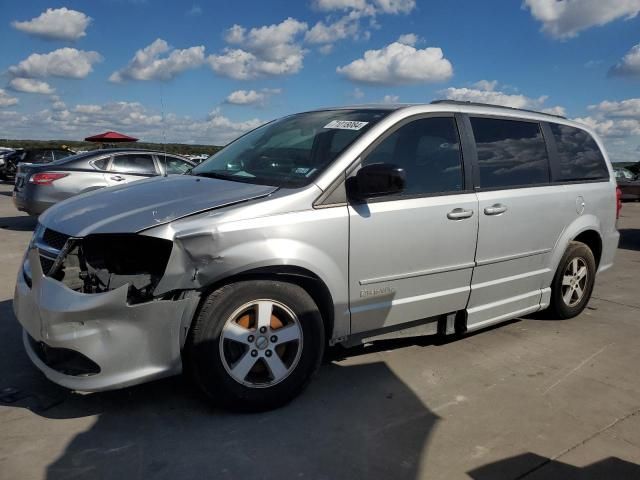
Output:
x=131 y=344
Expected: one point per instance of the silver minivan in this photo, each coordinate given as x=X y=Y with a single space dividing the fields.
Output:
x=336 y=226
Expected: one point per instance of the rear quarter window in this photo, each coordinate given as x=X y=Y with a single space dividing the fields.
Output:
x=579 y=157
x=101 y=163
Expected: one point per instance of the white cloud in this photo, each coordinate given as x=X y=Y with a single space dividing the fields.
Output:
x=129 y=117
x=485 y=91
x=347 y=26
x=7 y=100
x=31 y=85
x=357 y=93
x=629 y=65
x=194 y=11
x=409 y=39
x=557 y=110
x=564 y=19
x=57 y=103
x=375 y=6
x=624 y=108
x=614 y=119
x=390 y=99
x=268 y=50
x=398 y=64
x=251 y=97
x=64 y=62
x=56 y=24
x=326 y=49
x=147 y=63
x=330 y=5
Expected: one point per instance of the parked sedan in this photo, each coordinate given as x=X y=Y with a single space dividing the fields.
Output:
x=37 y=187
x=629 y=183
x=10 y=162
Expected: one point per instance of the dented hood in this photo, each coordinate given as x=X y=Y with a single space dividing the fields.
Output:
x=146 y=203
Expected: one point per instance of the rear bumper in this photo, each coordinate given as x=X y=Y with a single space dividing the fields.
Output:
x=609 y=247
x=130 y=344
x=32 y=207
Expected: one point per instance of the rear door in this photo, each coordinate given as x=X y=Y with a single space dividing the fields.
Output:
x=411 y=256
x=520 y=219
x=129 y=167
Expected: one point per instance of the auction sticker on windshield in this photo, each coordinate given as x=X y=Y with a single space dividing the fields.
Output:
x=345 y=124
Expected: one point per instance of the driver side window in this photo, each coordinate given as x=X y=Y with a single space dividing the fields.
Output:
x=428 y=150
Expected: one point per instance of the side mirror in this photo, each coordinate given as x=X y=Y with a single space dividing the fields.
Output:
x=376 y=180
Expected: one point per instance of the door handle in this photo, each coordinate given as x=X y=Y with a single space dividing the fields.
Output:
x=495 y=209
x=117 y=178
x=459 y=214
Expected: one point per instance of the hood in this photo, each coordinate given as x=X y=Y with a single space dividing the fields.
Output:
x=146 y=203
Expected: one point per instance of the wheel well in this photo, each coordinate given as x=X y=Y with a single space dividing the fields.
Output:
x=591 y=239
x=302 y=277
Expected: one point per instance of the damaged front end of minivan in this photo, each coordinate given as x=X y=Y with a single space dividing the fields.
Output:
x=92 y=316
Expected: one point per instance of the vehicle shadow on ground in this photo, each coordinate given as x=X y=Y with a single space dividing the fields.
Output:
x=21 y=223
x=629 y=239
x=354 y=421
x=532 y=466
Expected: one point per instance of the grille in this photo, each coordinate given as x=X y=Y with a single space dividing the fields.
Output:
x=54 y=239
x=46 y=264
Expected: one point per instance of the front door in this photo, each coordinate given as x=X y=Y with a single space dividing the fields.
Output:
x=411 y=256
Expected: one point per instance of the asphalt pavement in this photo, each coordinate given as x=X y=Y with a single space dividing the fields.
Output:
x=532 y=398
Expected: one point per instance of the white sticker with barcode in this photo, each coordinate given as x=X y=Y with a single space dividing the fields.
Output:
x=345 y=124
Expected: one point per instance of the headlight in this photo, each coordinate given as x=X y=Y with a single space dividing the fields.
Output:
x=103 y=262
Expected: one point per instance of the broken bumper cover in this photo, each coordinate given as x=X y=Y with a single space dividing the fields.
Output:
x=130 y=344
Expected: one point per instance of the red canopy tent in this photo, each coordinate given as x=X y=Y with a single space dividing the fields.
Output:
x=111 y=137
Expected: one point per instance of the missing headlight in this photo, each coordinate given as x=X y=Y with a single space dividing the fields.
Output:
x=104 y=262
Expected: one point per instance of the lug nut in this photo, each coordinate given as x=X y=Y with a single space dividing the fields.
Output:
x=250 y=338
x=263 y=329
x=268 y=353
x=254 y=353
x=273 y=339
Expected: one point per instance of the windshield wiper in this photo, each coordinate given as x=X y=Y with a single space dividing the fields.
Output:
x=212 y=175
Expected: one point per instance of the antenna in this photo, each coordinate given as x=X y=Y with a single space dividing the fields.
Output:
x=164 y=130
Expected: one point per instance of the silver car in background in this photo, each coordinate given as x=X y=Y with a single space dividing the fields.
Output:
x=38 y=187
x=335 y=226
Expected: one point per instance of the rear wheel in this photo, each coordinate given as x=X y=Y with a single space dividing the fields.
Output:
x=573 y=282
x=256 y=344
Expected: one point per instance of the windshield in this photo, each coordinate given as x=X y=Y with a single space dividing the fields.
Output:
x=292 y=151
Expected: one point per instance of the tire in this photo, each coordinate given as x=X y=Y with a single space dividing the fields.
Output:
x=233 y=334
x=566 y=300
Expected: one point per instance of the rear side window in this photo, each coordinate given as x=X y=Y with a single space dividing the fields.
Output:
x=510 y=153
x=133 y=163
x=173 y=165
x=429 y=152
x=579 y=157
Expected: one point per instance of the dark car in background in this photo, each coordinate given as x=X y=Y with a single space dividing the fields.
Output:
x=37 y=187
x=628 y=182
x=10 y=162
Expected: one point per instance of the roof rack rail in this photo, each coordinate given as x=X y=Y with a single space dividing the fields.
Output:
x=479 y=104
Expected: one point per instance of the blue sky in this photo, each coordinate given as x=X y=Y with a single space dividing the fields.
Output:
x=211 y=71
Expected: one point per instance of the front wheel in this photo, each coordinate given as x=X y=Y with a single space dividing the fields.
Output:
x=573 y=282
x=256 y=344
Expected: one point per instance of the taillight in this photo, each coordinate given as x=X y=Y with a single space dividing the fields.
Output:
x=46 y=178
x=618 y=201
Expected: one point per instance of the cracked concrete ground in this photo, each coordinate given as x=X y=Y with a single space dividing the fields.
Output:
x=533 y=398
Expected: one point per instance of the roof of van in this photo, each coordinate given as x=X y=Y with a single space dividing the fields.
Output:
x=470 y=107
x=460 y=103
